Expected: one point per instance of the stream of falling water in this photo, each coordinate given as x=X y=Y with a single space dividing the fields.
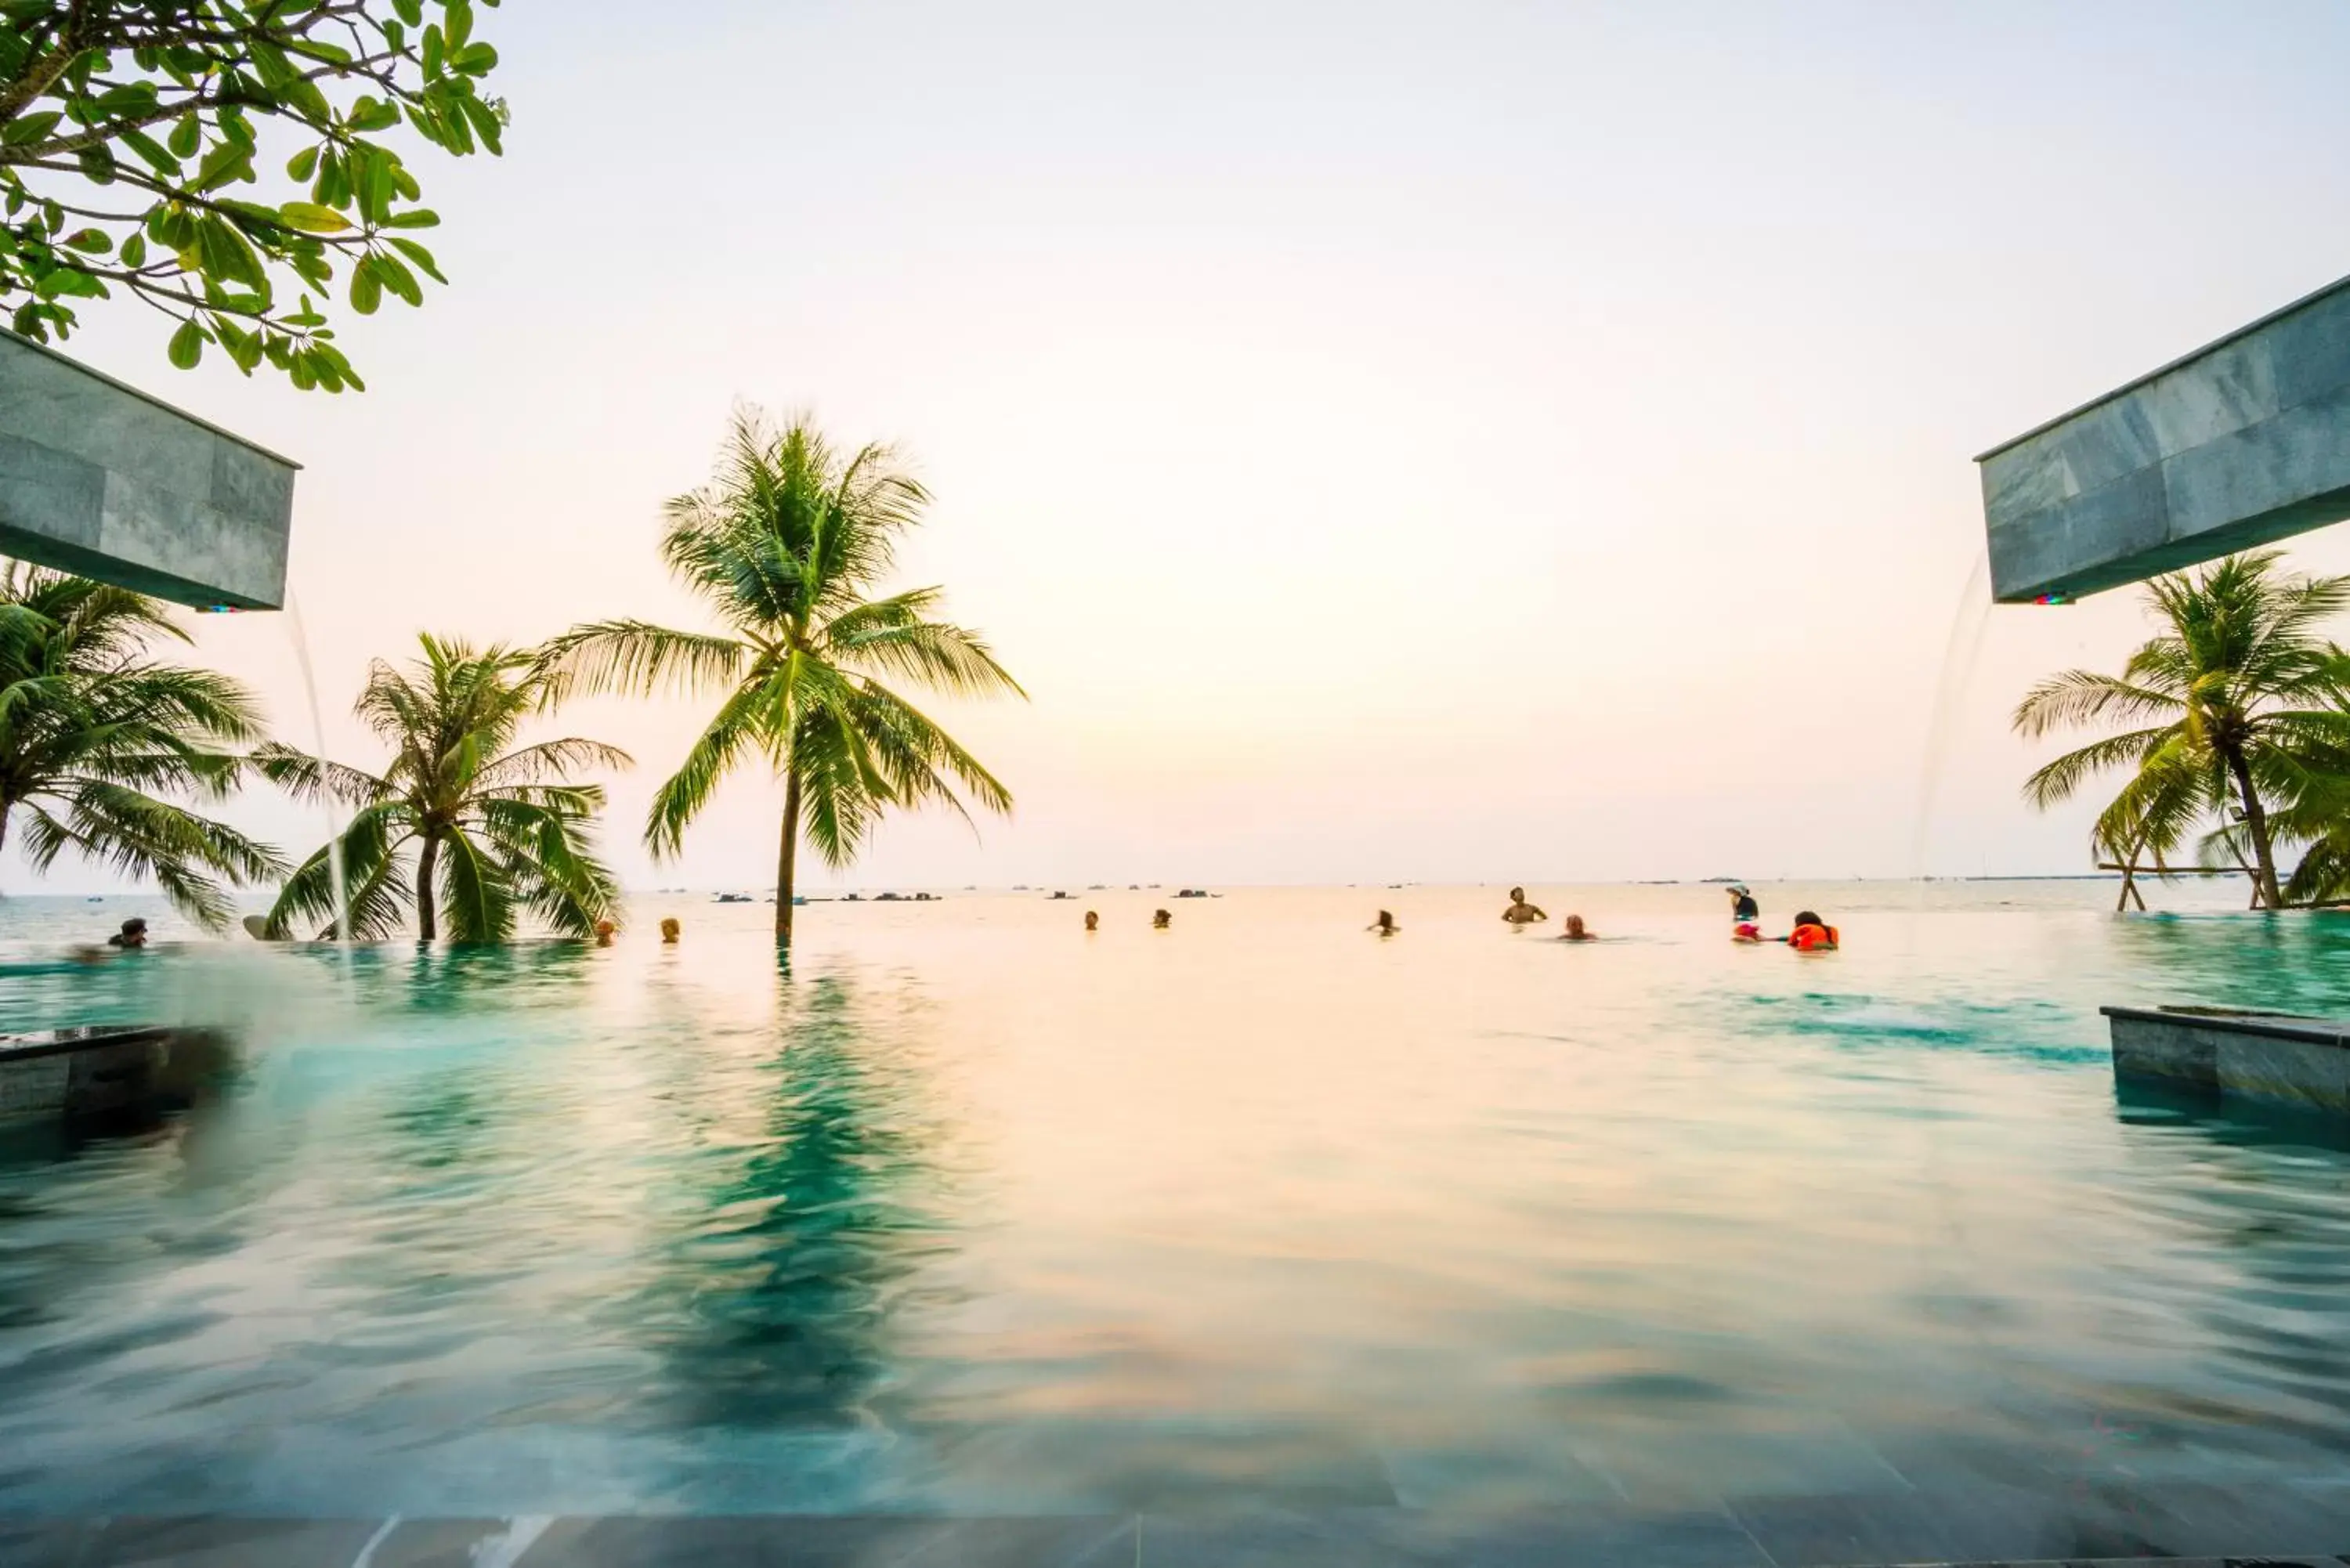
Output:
x=1960 y=654
x=300 y=638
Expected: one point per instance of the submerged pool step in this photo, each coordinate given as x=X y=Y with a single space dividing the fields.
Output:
x=2278 y=1058
x=78 y=1075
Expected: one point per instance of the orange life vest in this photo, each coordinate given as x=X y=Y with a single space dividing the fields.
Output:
x=1813 y=938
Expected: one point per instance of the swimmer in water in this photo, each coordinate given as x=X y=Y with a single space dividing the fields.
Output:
x=133 y=934
x=1160 y=920
x=1384 y=925
x=1812 y=934
x=604 y=929
x=1575 y=932
x=1743 y=909
x=1093 y=922
x=670 y=931
x=1520 y=912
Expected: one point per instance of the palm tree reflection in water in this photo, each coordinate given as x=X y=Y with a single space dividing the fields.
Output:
x=777 y=1308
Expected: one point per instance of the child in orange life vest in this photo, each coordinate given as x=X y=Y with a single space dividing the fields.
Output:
x=1812 y=934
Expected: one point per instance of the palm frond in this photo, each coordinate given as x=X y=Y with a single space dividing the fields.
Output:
x=313 y=780
x=139 y=836
x=550 y=851
x=476 y=891
x=2058 y=781
x=2080 y=696
x=636 y=657
x=379 y=893
x=549 y=760
x=935 y=654
x=715 y=753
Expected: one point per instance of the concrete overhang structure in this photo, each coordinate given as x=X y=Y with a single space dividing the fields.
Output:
x=2242 y=441
x=98 y=478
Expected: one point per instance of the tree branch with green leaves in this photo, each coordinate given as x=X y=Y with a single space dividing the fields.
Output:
x=129 y=132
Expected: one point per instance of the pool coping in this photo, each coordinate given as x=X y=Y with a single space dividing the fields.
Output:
x=37 y=1044
x=2111 y=1520
x=2295 y=1026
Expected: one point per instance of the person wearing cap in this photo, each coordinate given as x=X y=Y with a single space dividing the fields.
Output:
x=133 y=934
x=1743 y=909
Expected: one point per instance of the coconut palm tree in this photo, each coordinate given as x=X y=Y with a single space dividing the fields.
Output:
x=91 y=728
x=2220 y=705
x=496 y=829
x=2314 y=784
x=786 y=544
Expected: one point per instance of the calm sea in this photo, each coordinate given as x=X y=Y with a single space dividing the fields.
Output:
x=971 y=1212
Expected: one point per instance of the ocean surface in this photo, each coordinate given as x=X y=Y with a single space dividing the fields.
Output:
x=972 y=1212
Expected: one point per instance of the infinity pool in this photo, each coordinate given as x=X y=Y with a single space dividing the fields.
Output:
x=972 y=1213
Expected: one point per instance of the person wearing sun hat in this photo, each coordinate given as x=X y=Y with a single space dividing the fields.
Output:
x=1745 y=914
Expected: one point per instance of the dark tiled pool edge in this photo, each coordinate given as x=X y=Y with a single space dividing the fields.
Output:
x=2105 y=1521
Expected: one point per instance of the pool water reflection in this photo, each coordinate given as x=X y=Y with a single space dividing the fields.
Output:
x=972 y=1212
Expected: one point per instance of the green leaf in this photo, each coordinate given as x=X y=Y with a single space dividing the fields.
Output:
x=172 y=226
x=474 y=60
x=420 y=255
x=485 y=122
x=373 y=186
x=312 y=219
x=66 y=283
x=225 y=163
x=97 y=162
x=410 y=11
x=333 y=186
x=277 y=72
x=415 y=218
x=91 y=242
x=187 y=135
x=187 y=345
x=398 y=278
x=366 y=289
x=303 y=164
x=134 y=251
x=151 y=150
x=29 y=127
x=243 y=348
x=457 y=17
x=371 y=114
x=228 y=255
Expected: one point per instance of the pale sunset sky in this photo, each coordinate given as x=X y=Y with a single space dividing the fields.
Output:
x=1448 y=444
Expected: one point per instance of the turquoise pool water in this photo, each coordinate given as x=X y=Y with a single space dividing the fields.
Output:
x=971 y=1212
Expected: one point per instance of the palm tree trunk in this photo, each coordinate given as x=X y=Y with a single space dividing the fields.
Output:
x=785 y=854
x=2256 y=826
x=428 y=915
